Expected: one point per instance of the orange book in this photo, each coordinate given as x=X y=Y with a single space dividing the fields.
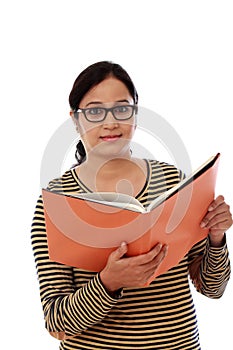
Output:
x=83 y=229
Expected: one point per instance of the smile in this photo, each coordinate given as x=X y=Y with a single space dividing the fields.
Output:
x=110 y=138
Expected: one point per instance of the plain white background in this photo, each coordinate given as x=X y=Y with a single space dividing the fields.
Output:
x=179 y=54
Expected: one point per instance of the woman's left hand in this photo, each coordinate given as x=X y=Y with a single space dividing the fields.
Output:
x=218 y=219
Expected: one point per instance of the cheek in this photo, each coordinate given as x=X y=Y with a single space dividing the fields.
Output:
x=86 y=128
x=89 y=135
x=129 y=130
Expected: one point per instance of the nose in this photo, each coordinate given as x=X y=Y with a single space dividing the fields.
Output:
x=110 y=121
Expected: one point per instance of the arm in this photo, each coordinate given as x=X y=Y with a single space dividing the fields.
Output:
x=209 y=268
x=209 y=263
x=67 y=310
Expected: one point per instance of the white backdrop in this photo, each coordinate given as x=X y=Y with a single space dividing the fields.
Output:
x=179 y=54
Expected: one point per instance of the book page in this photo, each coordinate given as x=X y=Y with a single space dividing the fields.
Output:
x=118 y=200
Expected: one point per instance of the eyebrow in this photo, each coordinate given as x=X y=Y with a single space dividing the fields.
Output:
x=100 y=103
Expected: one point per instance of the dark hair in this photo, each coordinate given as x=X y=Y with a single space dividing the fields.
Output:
x=90 y=77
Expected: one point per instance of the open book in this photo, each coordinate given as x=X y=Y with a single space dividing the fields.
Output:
x=83 y=229
x=128 y=202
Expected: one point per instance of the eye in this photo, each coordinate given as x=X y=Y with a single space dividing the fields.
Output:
x=94 y=111
x=121 y=109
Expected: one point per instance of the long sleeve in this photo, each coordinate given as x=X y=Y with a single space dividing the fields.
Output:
x=209 y=268
x=67 y=310
x=78 y=309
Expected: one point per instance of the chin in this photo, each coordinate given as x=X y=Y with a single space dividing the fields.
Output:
x=111 y=150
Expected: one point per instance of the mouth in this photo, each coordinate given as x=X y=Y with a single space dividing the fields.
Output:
x=110 y=138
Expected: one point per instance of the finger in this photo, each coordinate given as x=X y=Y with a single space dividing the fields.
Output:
x=119 y=252
x=146 y=257
x=158 y=258
x=218 y=221
x=221 y=209
x=221 y=226
x=153 y=265
x=218 y=201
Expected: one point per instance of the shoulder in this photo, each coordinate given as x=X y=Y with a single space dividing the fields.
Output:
x=159 y=168
x=62 y=183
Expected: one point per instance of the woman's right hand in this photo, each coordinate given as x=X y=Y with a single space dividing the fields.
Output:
x=133 y=271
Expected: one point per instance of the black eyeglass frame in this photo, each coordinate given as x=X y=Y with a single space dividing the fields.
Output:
x=111 y=109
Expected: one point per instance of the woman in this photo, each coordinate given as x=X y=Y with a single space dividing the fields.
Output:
x=112 y=309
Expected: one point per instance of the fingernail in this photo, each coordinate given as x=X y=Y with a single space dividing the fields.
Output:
x=210 y=208
x=202 y=224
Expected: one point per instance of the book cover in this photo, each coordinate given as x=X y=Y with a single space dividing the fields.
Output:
x=82 y=233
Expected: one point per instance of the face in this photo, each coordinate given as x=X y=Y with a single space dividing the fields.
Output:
x=109 y=137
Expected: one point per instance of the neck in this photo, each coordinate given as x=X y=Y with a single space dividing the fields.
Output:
x=120 y=174
x=109 y=163
x=97 y=167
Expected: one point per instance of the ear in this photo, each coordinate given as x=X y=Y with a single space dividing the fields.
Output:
x=74 y=120
x=136 y=122
x=73 y=117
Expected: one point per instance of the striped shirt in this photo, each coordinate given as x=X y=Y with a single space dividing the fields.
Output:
x=82 y=315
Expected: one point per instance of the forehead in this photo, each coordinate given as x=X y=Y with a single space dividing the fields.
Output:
x=109 y=90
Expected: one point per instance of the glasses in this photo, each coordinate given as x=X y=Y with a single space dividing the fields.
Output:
x=98 y=114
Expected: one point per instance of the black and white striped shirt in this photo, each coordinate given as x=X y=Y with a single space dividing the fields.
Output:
x=79 y=311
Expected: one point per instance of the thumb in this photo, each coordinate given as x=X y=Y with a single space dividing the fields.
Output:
x=120 y=251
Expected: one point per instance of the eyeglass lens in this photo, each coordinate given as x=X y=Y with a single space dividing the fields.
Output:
x=99 y=114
